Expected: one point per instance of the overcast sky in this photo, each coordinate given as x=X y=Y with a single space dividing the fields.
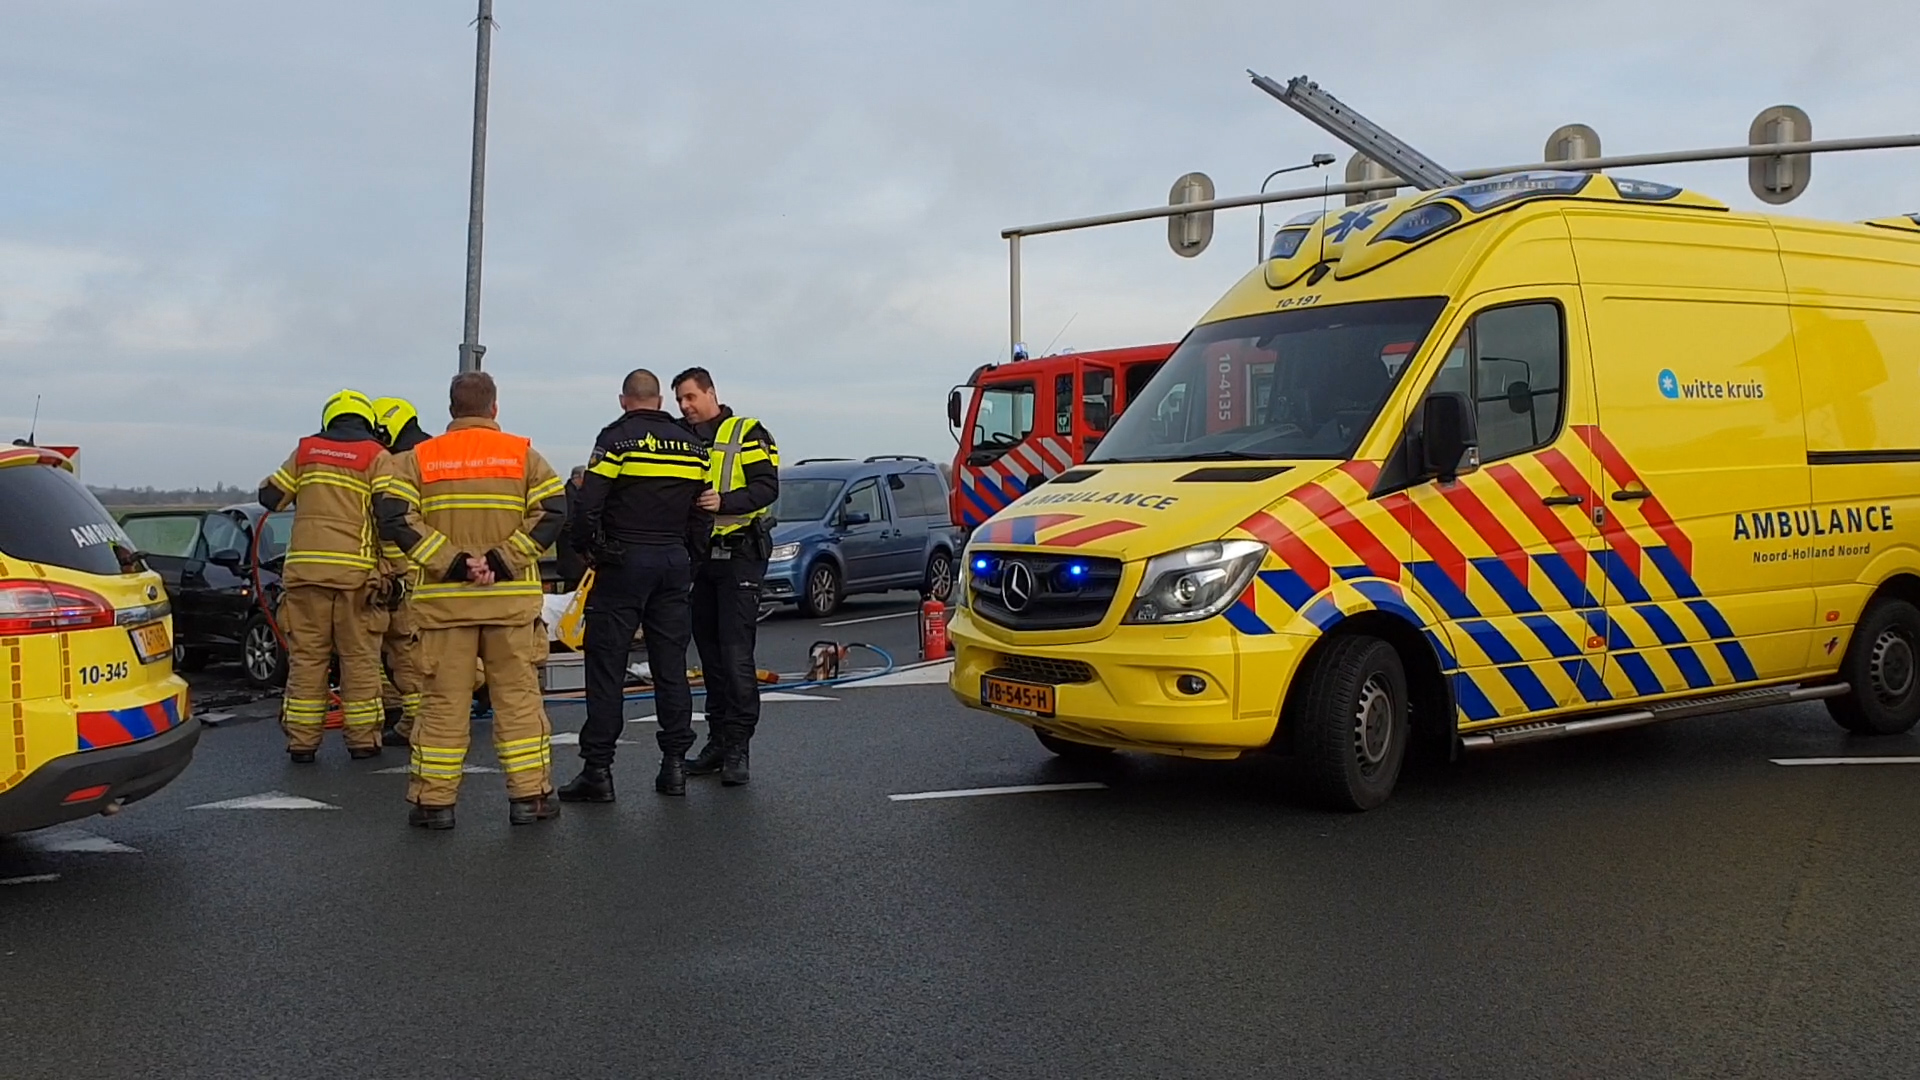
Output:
x=214 y=213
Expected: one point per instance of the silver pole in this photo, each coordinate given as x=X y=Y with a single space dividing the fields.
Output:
x=470 y=348
x=1013 y=282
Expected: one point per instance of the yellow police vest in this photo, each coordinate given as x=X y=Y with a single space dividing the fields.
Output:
x=727 y=468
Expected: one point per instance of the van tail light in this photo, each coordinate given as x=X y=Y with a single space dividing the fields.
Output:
x=48 y=607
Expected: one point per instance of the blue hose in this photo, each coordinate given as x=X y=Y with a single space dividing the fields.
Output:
x=810 y=684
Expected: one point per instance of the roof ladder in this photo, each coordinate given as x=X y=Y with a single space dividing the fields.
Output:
x=1306 y=98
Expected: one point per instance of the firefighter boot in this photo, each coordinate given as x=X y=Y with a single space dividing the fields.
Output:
x=431 y=817
x=733 y=768
x=528 y=811
x=594 y=784
x=707 y=761
x=673 y=775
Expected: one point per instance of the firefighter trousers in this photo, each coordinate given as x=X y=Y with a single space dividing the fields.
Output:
x=319 y=623
x=402 y=692
x=522 y=737
x=726 y=622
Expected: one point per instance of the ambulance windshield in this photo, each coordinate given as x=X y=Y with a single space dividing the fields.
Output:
x=1305 y=383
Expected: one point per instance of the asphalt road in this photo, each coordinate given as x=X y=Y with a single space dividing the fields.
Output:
x=1666 y=902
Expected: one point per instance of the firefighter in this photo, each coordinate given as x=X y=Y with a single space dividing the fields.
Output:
x=473 y=509
x=743 y=480
x=331 y=577
x=399 y=424
x=632 y=517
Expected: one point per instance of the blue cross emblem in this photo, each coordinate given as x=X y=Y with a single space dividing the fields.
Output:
x=1353 y=221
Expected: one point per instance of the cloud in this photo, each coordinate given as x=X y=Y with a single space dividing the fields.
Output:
x=214 y=215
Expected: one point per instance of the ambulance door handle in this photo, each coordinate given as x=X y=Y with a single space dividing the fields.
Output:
x=1564 y=500
x=1632 y=496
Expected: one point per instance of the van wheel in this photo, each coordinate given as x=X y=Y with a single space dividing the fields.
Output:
x=1350 y=723
x=261 y=656
x=823 y=590
x=1069 y=750
x=1883 y=667
x=939 y=583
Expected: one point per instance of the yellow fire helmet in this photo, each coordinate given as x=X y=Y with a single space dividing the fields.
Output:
x=391 y=415
x=348 y=403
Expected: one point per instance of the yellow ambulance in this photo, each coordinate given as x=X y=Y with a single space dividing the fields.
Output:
x=1533 y=456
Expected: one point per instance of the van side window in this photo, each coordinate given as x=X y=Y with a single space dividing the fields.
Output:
x=1512 y=360
x=865 y=499
x=906 y=498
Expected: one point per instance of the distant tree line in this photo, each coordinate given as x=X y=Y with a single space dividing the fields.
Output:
x=219 y=495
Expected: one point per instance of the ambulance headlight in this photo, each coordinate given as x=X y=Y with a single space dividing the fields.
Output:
x=784 y=553
x=1195 y=583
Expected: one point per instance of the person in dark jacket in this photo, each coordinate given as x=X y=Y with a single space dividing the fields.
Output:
x=568 y=562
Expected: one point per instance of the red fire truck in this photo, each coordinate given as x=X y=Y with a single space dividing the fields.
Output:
x=1025 y=421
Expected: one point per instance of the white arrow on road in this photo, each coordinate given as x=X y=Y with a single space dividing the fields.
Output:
x=267 y=800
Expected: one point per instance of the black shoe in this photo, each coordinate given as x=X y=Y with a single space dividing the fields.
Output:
x=362 y=753
x=392 y=737
x=733 y=770
x=528 y=811
x=673 y=775
x=431 y=817
x=594 y=784
x=302 y=757
x=707 y=761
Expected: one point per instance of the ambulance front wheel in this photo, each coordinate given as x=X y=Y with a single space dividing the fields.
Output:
x=1350 y=722
x=1068 y=750
x=1883 y=668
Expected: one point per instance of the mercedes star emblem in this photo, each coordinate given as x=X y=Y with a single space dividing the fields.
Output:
x=1017 y=586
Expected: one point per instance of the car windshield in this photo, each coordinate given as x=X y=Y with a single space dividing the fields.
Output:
x=1305 y=383
x=805 y=500
x=273 y=541
x=47 y=516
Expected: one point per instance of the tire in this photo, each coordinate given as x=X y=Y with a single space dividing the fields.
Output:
x=1883 y=667
x=1350 y=723
x=939 y=583
x=1068 y=750
x=261 y=656
x=823 y=593
x=187 y=658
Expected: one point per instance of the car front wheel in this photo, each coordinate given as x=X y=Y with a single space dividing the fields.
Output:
x=262 y=657
x=823 y=590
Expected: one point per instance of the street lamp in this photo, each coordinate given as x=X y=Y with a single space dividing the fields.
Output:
x=1320 y=161
x=470 y=348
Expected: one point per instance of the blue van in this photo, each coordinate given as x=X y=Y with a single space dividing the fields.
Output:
x=843 y=527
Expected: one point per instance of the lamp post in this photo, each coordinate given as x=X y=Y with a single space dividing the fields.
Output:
x=470 y=348
x=1320 y=161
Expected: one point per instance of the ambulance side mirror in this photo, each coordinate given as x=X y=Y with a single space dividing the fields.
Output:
x=1449 y=440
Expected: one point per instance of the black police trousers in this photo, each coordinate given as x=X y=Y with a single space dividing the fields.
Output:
x=726 y=619
x=644 y=586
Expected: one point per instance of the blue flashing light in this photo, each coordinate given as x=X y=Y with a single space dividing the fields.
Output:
x=1644 y=190
x=1077 y=570
x=1287 y=242
x=981 y=565
x=1483 y=195
x=1419 y=223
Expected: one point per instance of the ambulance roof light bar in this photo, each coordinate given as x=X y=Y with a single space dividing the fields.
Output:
x=1306 y=98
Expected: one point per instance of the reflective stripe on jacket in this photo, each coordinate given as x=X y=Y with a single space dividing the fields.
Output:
x=331 y=483
x=736 y=446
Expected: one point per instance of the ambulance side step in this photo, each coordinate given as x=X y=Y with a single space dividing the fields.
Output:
x=1671 y=710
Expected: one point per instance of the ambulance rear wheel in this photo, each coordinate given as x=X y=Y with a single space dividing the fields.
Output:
x=1350 y=722
x=1883 y=668
x=1069 y=750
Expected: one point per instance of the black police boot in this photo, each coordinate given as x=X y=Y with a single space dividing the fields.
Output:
x=528 y=811
x=594 y=784
x=431 y=817
x=733 y=769
x=302 y=757
x=673 y=775
x=707 y=761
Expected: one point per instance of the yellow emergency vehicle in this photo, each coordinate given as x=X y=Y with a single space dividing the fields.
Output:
x=1537 y=455
x=91 y=714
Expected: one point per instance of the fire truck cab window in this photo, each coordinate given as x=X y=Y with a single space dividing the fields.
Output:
x=1096 y=398
x=1005 y=416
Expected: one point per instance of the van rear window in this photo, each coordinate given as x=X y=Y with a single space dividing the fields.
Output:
x=47 y=516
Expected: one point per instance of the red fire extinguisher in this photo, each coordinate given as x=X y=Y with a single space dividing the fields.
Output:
x=933 y=630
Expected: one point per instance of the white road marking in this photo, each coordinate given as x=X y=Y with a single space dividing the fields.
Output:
x=1022 y=789
x=30 y=879
x=872 y=618
x=267 y=800
x=403 y=770
x=781 y=695
x=650 y=718
x=1848 y=761
x=77 y=840
x=934 y=674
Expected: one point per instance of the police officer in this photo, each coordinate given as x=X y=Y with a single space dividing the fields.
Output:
x=743 y=478
x=331 y=577
x=631 y=518
x=473 y=509
x=399 y=424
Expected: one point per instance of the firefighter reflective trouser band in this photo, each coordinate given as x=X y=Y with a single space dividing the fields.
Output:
x=727 y=468
x=320 y=622
x=522 y=738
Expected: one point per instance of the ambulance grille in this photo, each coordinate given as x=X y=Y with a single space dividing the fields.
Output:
x=1045 y=670
x=1052 y=591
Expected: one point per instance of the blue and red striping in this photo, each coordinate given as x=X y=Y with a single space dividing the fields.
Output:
x=117 y=727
